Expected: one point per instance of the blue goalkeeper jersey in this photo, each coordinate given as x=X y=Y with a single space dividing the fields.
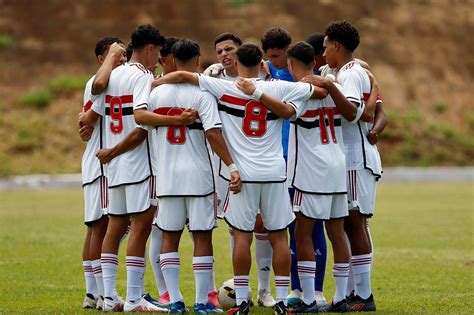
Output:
x=282 y=74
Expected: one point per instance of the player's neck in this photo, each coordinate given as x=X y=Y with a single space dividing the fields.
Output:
x=137 y=58
x=189 y=68
x=231 y=72
x=344 y=59
x=249 y=72
x=299 y=74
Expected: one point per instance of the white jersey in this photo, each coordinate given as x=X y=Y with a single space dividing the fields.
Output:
x=316 y=160
x=128 y=89
x=184 y=163
x=92 y=169
x=252 y=132
x=360 y=153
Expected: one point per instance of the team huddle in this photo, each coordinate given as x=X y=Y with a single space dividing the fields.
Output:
x=279 y=147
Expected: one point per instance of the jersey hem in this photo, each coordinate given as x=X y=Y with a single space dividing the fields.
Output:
x=130 y=183
x=93 y=181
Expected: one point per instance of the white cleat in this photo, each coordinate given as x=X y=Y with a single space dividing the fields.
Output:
x=320 y=300
x=113 y=305
x=265 y=298
x=295 y=297
x=89 y=301
x=100 y=303
x=143 y=305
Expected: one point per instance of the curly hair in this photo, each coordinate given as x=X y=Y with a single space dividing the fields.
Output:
x=249 y=55
x=344 y=33
x=103 y=44
x=146 y=34
x=302 y=52
x=166 y=49
x=276 y=38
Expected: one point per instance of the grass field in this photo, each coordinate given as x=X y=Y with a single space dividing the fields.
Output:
x=423 y=234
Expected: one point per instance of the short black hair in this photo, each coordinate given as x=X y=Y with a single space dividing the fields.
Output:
x=228 y=36
x=249 y=54
x=129 y=51
x=301 y=51
x=316 y=40
x=276 y=38
x=146 y=34
x=344 y=33
x=185 y=49
x=166 y=49
x=103 y=44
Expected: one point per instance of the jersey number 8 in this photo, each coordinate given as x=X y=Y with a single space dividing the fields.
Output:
x=176 y=134
x=254 y=123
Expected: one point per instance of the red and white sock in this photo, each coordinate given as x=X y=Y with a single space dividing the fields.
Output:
x=281 y=286
x=97 y=269
x=91 y=287
x=306 y=273
x=170 y=267
x=361 y=267
x=241 y=286
x=135 y=269
x=203 y=268
x=341 y=273
x=109 y=264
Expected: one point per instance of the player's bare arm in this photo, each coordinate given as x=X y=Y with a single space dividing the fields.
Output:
x=85 y=132
x=134 y=138
x=176 y=77
x=347 y=108
x=114 y=57
x=369 y=110
x=278 y=107
x=88 y=118
x=145 y=117
x=217 y=142
x=380 y=121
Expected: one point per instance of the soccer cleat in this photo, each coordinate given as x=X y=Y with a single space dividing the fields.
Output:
x=339 y=307
x=359 y=304
x=212 y=298
x=295 y=297
x=165 y=298
x=303 y=308
x=320 y=300
x=350 y=299
x=265 y=299
x=281 y=308
x=200 y=308
x=153 y=301
x=142 y=305
x=177 y=308
x=100 y=303
x=111 y=305
x=242 y=309
x=89 y=301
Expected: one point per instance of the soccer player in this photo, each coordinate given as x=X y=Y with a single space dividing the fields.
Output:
x=254 y=135
x=131 y=177
x=362 y=158
x=94 y=183
x=226 y=45
x=275 y=43
x=186 y=180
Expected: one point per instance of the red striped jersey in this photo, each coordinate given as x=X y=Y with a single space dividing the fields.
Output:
x=252 y=132
x=91 y=167
x=128 y=89
x=316 y=160
x=184 y=162
x=360 y=153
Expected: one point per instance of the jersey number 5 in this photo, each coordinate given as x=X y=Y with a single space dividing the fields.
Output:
x=116 y=126
x=176 y=134
x=254 y=123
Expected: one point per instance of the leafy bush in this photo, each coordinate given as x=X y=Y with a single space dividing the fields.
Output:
x=6 y=41
x=39 y=98
x=67 y=83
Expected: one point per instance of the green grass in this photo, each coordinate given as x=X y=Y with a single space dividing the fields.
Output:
x=424 y=253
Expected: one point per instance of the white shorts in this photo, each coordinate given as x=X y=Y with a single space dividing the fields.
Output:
x=132 y=199
x=322 y=207
x=95 y=200
x=361 y=191
x=200 y=211
x=271 y=199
